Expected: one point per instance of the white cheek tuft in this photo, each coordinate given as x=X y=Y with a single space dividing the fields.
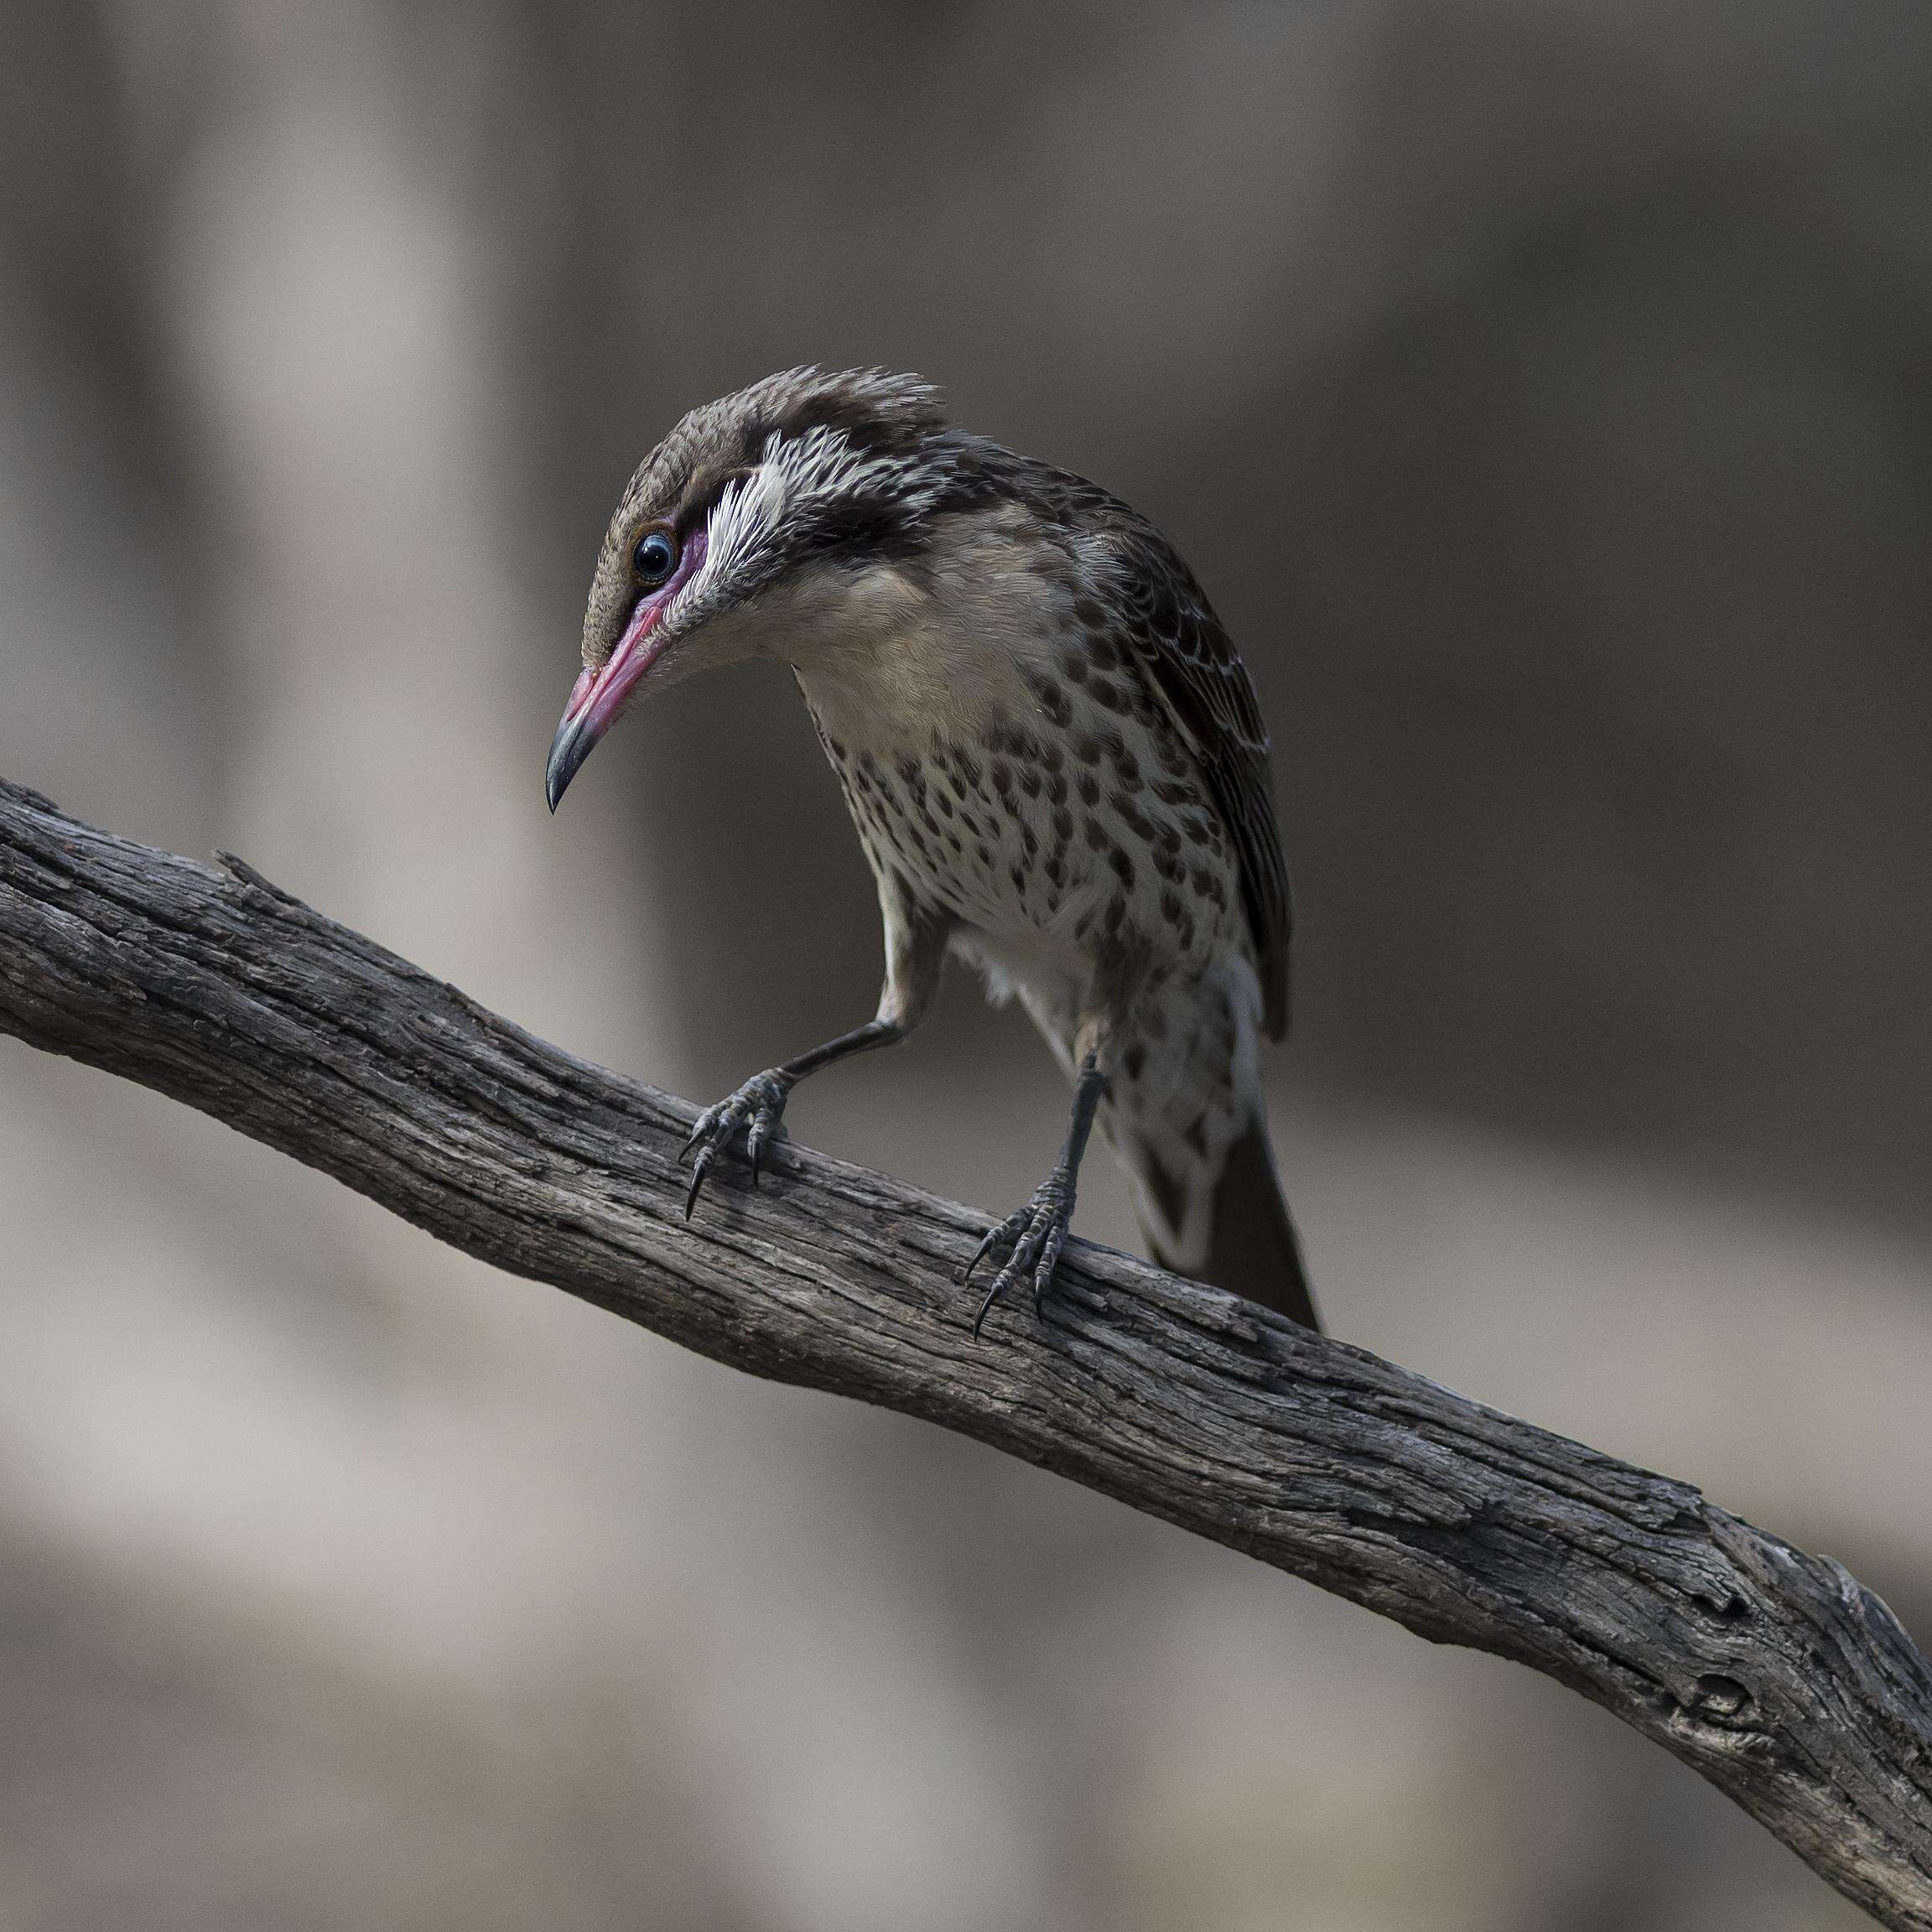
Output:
x=793 y=474
x=739 y=527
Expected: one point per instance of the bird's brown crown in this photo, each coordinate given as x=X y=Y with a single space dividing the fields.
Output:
x=805 y=463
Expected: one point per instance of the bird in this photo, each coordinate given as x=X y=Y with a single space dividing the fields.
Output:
x=1054 y=759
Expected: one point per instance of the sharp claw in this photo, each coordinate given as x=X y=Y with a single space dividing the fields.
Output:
x=1001 y=1282
x=985 y=1247
x=703 y=1168
x=750 y=1111
x=978 y=1320
x=1038 y=1233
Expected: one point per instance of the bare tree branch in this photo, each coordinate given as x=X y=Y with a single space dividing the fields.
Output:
x=1774 y=1673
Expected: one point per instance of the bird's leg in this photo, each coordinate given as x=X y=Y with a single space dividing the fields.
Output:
x=757 y=1108
x=915 y=946
x=1036 y=1232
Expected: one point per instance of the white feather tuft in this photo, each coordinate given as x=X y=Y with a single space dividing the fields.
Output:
x=794 y=475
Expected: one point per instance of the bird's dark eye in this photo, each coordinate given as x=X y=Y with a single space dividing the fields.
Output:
x=655 y=557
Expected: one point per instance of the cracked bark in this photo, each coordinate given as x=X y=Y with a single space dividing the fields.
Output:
x=1772 y=1672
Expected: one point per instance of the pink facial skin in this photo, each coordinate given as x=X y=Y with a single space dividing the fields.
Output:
x=598 y=696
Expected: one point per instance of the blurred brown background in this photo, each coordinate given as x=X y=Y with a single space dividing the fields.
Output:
x=1541 y=388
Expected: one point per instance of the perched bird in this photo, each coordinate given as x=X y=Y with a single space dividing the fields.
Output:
x=1052 y=755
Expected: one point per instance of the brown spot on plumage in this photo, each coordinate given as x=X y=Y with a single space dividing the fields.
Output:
x=1053 y=699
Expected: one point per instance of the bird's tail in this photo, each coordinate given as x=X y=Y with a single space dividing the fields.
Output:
x=1253 y=1249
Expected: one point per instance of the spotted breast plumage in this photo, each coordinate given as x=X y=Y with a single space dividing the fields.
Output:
x=1051 y=752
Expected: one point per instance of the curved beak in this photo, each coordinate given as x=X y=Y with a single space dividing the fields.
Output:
x=575 y=740
x=599 y=695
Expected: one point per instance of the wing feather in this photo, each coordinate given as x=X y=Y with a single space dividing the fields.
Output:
x=1187 y=656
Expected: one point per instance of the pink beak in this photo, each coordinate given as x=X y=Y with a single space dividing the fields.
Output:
x=599 y=696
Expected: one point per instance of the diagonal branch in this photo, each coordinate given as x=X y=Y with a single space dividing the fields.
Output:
x=1774 y=1673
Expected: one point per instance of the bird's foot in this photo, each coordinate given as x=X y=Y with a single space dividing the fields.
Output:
x=755 y=1110
x=1034 y=1236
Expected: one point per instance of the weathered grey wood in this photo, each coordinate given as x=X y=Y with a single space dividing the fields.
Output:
x=1774 y=1673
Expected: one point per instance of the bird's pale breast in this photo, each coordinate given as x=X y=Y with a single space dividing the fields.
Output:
x=1058 y=814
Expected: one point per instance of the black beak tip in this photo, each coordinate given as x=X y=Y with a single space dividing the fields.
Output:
x=567 y=750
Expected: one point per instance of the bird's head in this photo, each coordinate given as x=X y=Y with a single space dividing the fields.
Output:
x=747 y=526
